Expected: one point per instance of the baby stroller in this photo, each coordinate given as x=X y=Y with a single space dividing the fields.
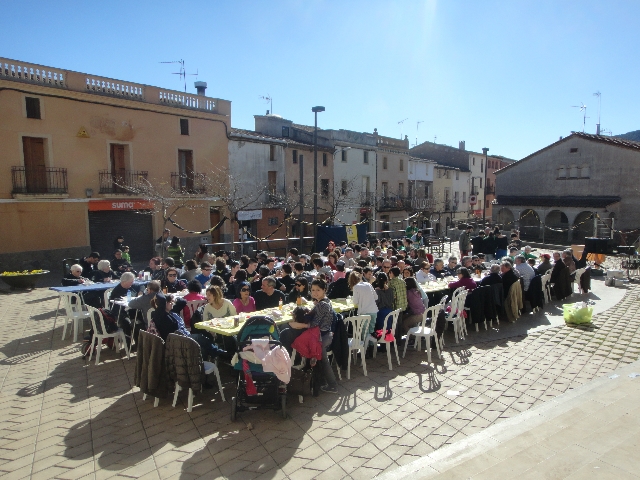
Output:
x=256 y=388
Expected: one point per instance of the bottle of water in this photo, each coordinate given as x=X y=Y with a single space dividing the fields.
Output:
x=128 y=296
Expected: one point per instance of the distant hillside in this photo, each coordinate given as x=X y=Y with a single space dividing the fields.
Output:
x=633 y=136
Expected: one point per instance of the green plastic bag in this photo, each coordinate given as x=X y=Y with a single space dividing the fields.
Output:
x=577 y=314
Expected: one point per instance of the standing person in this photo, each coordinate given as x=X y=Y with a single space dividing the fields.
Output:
x=176 y=252
x=464 y=242
x=125 y=254
x=489 y=246
x=476 y=242
x=412 y=229
x=163 y=242
x=118 y=243
x=502 y=243
x=364 y=296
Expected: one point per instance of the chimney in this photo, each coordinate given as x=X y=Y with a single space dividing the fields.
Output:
x=597 y=129
x=461 y=145
x=200 y=87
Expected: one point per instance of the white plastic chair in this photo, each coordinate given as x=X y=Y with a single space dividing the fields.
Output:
x=455 y=314
x=546 y=286
x=383 y=339
x=193 y=305
x=118 y=336
x=107 y=293
x=576 y=279
x=359 y=341
x=75 y=312
x=426 y=332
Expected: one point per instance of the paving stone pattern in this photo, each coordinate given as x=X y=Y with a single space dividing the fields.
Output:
x=64 y=418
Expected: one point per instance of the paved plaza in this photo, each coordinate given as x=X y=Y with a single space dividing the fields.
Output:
x=64 y=418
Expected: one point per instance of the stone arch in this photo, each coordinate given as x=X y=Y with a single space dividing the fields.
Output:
x=556 y=220
x=529 y=225
x=583 y=227
x=505 y=218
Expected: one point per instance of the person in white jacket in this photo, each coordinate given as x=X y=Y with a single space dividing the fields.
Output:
x=364 y=297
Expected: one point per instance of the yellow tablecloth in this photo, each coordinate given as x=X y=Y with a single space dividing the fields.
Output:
x=214 y=326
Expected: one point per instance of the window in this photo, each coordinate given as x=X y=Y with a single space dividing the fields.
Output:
x=480 y=183
x=402 y=164
x=411 y=185
x=439 y=173
x=185 y=166
x=295 y=185
x=455 y=197
x=384 y=163
x=385 y=189
x=184 y=126
x=585 y=171
x=344 y=187
x=474 y=161
x=482 y=165
x=573 y=150
x=285 y=131
x=272 y=153
x=324 y=188
x=464 y=197
x=562 y=172
x=573 y=171
x=273 y=221
x=295 y=156
x=301 y=158
x=366 y=156
x=33 y=107
x=457 y=175
x=401 y=189
x=448 y=174
x=272 y=175
x=344 y=155
x=324 y=159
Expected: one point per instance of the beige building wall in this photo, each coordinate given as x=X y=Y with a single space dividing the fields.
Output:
x=78 y=124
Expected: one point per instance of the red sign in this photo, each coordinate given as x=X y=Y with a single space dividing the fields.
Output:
x=98 y=205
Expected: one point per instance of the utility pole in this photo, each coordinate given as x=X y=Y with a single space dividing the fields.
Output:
x=484 y=203
x=315 y=110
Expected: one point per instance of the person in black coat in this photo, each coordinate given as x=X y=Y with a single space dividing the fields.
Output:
x=557 y=266
x=493 y=277
x=89 y=264
x=477 y=243
x=339 y=289
x=508 y=276
x=489 y=246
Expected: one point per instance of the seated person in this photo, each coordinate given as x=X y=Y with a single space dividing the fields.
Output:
x=525 y=270
x=412 y=316
x=172 y=283
x=300 y=290
x=508 y=276
x=438 y=270
x=513 y=253
x=527 y=253
x=294 y=328
x=464 y=280
x=424 y=274
x=75 y=277
x=221 y=268
x=476 y=264
x=268 y=296
x=194 y=294
x=119 y=264
x=125 y=254
x=567 y=258
x=452 y=267
x=155 y=268
x=190 y=271
x=143 y=302
x=545 y=264
x=218 y=306
x=244 y=302
x=120 y=291
x=285 y=277
x=165 y=321
x=89 y=264
x=104 y=274
x=493 y=277
x=205 y=276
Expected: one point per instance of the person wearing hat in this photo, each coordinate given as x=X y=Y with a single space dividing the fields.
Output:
x=545 y=264
x=464 y=242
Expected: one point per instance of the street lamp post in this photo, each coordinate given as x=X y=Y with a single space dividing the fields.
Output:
x=301 y=220
x=484 y=196
x=315 y=110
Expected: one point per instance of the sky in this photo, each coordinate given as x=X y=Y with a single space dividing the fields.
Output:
x=498 y=74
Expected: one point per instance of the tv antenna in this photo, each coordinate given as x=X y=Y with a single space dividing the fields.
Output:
x=183 y=72
x=400 y=123
x=599 y=95
x=269 y=99
x=417 y=128
x=583 y=109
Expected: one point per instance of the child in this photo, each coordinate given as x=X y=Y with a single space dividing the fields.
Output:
x=125 y=254
x=339 y=273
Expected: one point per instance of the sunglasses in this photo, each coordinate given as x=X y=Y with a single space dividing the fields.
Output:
x=245 y=290
x=299 y=285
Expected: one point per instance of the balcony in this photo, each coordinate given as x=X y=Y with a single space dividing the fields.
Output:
x=367 y=199
x=490 y=190
x=393 y=202
x=122 y=182
x=422 y=203
x=191 y=183
x=39 y=180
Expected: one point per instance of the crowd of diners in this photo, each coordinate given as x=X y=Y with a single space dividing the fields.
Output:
x=380 y=276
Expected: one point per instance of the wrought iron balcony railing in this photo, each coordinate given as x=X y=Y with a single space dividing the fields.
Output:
x=123 y=181
x=39 y=180
x=190 y=183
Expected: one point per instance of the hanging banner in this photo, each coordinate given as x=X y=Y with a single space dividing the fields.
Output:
x=245 y=215
x=352 y=233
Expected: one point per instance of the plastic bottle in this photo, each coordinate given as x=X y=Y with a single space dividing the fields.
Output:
x=128 y=296
x=280 y=304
